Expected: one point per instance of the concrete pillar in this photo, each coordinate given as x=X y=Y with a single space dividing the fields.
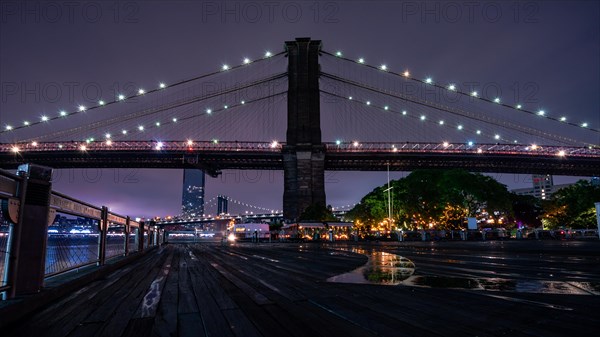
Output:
x=303 y=154
x=28 y=250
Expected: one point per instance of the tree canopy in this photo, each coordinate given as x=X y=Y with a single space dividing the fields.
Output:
x=573 y=206
x=442 y=198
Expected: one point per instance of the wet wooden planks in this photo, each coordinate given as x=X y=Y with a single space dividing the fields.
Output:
x=274 y=290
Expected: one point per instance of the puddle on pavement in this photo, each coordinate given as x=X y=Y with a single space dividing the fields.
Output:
x=391 y=269
x=381 y=268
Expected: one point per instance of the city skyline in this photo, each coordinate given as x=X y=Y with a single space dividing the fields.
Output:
x=545 y=53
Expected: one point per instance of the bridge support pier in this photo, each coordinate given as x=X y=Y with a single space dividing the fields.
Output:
x=304 y=153
x=304 y=182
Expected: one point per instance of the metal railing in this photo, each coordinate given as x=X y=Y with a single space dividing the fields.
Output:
x=246 y=146
x=132 y=246
x=66 y=252
x=454 y=148
x=79 y=234
x=4 y=245
x=180 y=146
x=115 y=241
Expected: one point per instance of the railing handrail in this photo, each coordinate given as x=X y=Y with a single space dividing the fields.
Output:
x=75 y=200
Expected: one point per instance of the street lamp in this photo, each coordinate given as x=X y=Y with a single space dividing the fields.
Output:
x=389 y=191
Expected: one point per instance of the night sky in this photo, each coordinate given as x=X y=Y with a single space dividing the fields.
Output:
x=56 y=55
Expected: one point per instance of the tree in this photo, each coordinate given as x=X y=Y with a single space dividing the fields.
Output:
x=573 y=206
x=436 y=197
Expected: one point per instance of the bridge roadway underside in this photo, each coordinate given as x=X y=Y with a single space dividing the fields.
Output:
x=280 y=290
x=215 y=161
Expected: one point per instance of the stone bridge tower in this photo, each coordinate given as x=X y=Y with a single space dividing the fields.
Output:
x=304 y=153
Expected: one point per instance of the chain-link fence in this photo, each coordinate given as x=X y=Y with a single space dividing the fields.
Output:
x=133 y=242
x=115 y=241
x=4 y=240
x=72 y=243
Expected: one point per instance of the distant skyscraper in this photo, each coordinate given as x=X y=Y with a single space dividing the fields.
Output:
x=542 y=185
x=192 y=200
x=222 y=205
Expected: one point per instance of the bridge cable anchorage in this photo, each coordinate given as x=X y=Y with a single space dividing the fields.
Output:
x=161 y=87
x=152 y=111
x=451 y=87
x=458 y=112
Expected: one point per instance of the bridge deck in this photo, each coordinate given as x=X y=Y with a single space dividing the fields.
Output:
x=279 y=290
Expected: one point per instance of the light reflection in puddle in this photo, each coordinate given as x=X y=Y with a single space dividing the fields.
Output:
x=381 y=268
x=391 y=269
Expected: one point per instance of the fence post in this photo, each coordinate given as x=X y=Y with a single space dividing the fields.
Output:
x=102 y=236
x=28 y=250
x=141 y=231
x=127 y=229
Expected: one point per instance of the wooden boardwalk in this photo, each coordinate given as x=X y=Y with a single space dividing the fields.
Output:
x=280 y=290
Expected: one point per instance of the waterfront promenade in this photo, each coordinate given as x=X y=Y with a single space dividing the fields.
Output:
x=281 y=289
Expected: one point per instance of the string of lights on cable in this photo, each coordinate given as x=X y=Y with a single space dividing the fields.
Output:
x=487 y=120
x=454 y=88
x=422 y=118
x=160 y=145
x=140 y=92
x=104 y=124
